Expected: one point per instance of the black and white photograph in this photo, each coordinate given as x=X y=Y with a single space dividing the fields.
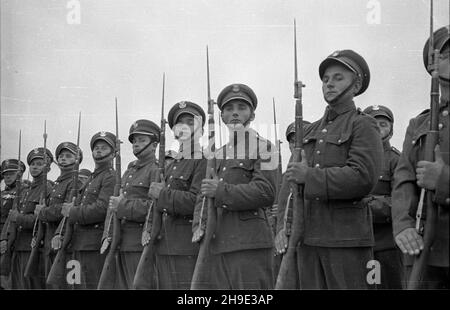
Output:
x=245 y=147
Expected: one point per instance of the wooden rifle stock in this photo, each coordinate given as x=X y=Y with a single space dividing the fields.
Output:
x=420 y=262
x=288 y=273
x=57 y=272
x=32 y=266
x=202 y=266
x=108 y=275
x=145 y=276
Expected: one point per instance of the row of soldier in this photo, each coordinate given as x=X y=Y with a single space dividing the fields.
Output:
x=360 y=196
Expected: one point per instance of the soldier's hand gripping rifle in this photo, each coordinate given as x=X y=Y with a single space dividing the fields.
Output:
x=145 y=272
x=108 y=275
x=287 y=276
x=200 y=235
x=429 y=231
x=32 y=267
x=56 y=275
x=9 y=231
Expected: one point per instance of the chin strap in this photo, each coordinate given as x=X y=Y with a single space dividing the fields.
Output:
x=143 y=149
x=343 y=93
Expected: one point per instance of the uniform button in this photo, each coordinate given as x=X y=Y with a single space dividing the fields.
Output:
x=305 y=141
x=318 y=152
x=255 y=213
x=224 y=206
x=339 y=141
x=126 y=184
x=324 y=130
x=84 y=197
x=447 y=201
x=54 y=190
x=413 y=141
x=175 y=168
x=321 y=141
x=241 y=164
x=168 y=186
x=380 y=177
x=317 y=198
x=129 y=176
x=21 y=212
x=221 y=179
x=329 y=122
x=125 y=192
x=171 y=177
x=445 y=113
x=140 y=183
x=317 y=165
x=165 y=210
x=441 y=126
x=181 y=177
x=224 y=168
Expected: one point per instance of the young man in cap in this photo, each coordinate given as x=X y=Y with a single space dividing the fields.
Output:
x=413 y=174
x=133 y=204
x=176 y=197
x=10 y=173
x=245 y=185
x=62 y=192
x=25 y=218
x=379 y=201
x=88 y=212
x=342 y=164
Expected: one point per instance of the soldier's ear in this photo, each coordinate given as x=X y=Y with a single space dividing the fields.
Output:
x=252 y=116
x=358 y=85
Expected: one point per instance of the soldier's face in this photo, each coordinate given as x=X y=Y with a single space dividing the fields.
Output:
x=335 y=81
x=444 y=63
x=140 y=142
x=83 y=179
x=384 y=125
x=66 y=158
x=291 y=141
x=101 y=151
x=10 y=177
x=236 y=114
x=187 y=126
x=36 y=167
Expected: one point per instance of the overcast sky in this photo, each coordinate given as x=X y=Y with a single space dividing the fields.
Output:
x=54 y=64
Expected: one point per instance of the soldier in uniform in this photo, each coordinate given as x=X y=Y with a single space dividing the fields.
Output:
x=245 y=185
x=25 y=218
x=170 y=157
x=342 y=164
x=83 y=175
x=10 y=173
x=413 y=174
x=50 y=214
x=133 y=204
x=176 y=197
x=379 y=201
x=88 y=213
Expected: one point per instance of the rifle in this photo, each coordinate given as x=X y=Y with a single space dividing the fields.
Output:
x=200 y=270
x=145 y=272
x=280 y=171
x=287 y=276
x=432 y=139
x=9 y=231
x=32 y=267
x=57 y=271
x=107 y=277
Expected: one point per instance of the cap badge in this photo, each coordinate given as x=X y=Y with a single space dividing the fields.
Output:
x=65 y=144
x=102 y=134
x=335 y=54
x=182 y=104
x=375 y=107
x=135 y=125
x=236 y=88
x=7 y=162
x=35 y=151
